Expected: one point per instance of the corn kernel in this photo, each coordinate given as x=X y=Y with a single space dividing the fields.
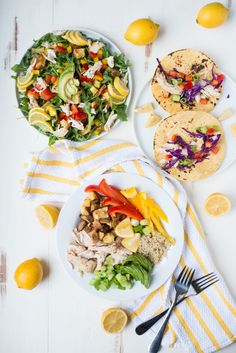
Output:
x=106 y=96
x=59 y=71
x=98 y=77
x=97 y=122
x=97 y=84
x=69 y=49
x=95 y=59
x=35 y=72
x=82 y=61
x=93 y=90
x=104 y=61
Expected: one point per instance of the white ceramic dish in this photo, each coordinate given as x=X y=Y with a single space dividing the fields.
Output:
x=145 y=136
x=114 y=49
x=69 y=216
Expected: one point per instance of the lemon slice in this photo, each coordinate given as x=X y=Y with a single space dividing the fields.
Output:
x=38 y=114
x=117 y=101
x=217 y=205
x=132 y=244
x=114 y=320
x=129 y=193
x=23 y=87
x=124 y=229
x=121 y=87
x=47 y=215
x=146 y=108
x=42 y=124
x=152 y=120
x=114 y=93
x=24 y=80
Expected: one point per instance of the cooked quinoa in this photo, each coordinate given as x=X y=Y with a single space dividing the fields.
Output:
x=154 y=247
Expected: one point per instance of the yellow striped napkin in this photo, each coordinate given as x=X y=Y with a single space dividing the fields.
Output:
x=204 y=323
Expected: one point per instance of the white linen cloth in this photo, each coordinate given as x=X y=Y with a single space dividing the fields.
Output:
x=204 y=323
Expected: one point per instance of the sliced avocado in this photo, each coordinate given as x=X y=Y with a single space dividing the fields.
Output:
x=70 y=89
x=66 y=75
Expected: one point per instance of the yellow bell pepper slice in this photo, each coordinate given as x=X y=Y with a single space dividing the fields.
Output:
x=144 y=206
x=155 y=209
x=161 y=229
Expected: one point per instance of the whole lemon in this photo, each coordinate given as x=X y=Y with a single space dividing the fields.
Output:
x=142 y=31
x=212 y=15
x=29 y=274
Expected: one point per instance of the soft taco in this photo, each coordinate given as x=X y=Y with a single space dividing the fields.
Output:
x=187 y=80
x=189 y=145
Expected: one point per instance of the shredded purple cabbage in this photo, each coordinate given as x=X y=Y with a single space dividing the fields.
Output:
x=170 y=164
x=197 y=134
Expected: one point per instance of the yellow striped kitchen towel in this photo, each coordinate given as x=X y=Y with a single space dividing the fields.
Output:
x=204 y=323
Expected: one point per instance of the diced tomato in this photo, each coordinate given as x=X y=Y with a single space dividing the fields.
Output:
x=180 y=75
x=220 y=78
x=85 y=79
x=111 y=202
x=215 y=149
x=166 y=95
x=174 y=138
x=173 y=73
x=203 y=101
x=214 y=82
x=54 y=79
x=38 y=86
x=62 y=116
x=81 y=115
x=129 y=212
x=60 y=49
x=48 y=79
x=93 y=55
x=85 y=66
x=198 y=155
x=181 y=85
x=208 y=143
x=168 y=157
x=188 y=85
x=210 y=131
x=188 y=78
x=47 y=94
x=33 y=93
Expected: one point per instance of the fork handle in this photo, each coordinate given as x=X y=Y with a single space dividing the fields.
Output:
x=145 y=326
x=156 y=343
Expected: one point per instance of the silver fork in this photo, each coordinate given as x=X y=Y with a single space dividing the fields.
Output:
x=3 y=273
x=197 y=286
x=182 y=285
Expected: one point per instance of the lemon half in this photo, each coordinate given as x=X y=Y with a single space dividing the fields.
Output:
x=38 y=114
x=132 y=243
x=124 y=229
x=114 y=320
x=217 y=204
x=121 y=87
x=47 y=215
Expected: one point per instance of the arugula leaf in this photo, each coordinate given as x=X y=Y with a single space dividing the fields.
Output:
x=120 y=111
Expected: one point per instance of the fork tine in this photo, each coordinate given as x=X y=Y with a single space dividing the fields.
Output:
x=209 y=279
x=208 y=285
x=200 y=278
x=190 y=277
x=181 y=274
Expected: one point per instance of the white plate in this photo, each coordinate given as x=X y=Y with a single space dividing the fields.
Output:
x=145 y=136
x=114 y=49
x=69 y=216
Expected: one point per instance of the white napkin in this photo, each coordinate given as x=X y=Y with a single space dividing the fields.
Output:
x=204 y=323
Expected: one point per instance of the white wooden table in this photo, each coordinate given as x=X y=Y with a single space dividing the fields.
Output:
x=59 y=317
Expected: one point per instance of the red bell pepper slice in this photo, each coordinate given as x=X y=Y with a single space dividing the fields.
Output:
x=47 y=94
x=110 y=202
x=60 y=49
x=129 y=212
x=210 y=131
x=112 y=192
x=32 y=92
x=92 y=188
x=85 y=79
